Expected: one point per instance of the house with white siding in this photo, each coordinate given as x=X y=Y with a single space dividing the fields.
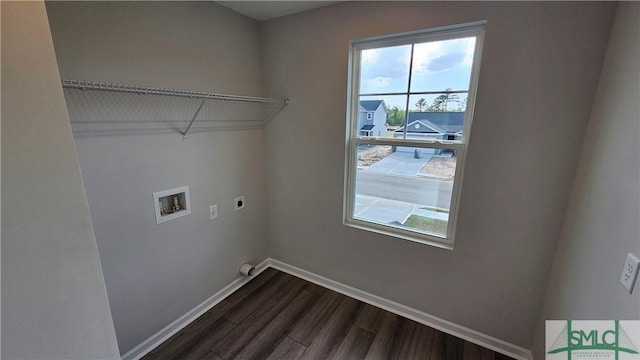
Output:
x=372 y=118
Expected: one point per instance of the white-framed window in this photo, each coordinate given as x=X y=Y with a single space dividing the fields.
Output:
x=369 y=116
x=408 y=184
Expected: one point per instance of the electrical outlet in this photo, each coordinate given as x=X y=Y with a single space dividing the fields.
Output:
x=629 y=272
x=239 y=203
x=213 y=212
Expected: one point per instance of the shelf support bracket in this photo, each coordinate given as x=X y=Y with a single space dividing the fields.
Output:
x=184 y=133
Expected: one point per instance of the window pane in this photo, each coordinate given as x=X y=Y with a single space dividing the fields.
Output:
x=385 y=70
x=381 y=116
x=442 y=65
x=435 y=117
x=404 y=187
x=439 y=102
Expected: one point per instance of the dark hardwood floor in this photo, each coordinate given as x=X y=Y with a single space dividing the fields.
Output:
x=278 y=316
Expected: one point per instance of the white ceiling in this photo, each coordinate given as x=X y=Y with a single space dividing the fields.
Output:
x=265 y=10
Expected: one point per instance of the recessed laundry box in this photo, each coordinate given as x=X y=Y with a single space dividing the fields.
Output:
x=171 y=204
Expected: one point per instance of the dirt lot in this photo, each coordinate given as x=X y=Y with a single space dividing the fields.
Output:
x=370 y=155
x=440 y=168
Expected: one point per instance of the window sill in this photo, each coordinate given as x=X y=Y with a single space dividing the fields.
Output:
x=424 y=239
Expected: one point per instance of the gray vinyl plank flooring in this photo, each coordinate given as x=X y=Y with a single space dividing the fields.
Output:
x=287 y=349
x=418 y=342
x=202 y=349
x=252 y=286
x=190 y=340
x=473 y=351
x=316 y=289
x=355 y=345
x=277 y=316
x=266 y=341
x=326 y=343
x=264 y=296
x=370 y=318
x=309 y=325
x=244 y=333
x=389 y=339
x=446 y=347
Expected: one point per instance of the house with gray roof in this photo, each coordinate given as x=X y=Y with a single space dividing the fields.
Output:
x=441 y=125
x=372 y=118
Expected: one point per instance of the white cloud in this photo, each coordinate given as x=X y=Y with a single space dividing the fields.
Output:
x=423 y=54
x=470 y=47
x=369 y=56
x=378 y=82
x=443 y=55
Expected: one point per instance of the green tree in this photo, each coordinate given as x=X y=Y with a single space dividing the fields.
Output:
x=395 y=116
x=462 y=105
x=421 y=104
x=439 y=103
x=442 y=102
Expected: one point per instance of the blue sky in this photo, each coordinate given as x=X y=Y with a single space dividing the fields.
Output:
x=437 y=66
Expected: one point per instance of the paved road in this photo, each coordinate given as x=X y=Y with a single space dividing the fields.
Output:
x=410 y=189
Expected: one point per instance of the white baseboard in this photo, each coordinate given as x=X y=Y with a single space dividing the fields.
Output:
x=158 y=338
x=445 y=326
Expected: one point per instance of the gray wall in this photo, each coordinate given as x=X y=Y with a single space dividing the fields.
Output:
x=539 y=75
x=54 y=303
x=601 y=222
x=156 y=273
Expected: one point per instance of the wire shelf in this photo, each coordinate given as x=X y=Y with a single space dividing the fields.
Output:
x=99 y=108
